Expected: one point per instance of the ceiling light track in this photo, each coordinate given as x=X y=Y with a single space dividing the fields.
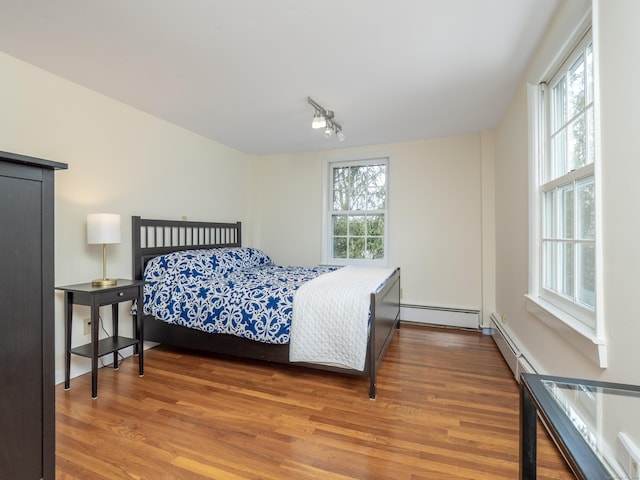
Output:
x=324 y=119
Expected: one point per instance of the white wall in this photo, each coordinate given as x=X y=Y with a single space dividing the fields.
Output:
x=616 y=34
x=617 y=24
x=120 y=161
x=436 y=211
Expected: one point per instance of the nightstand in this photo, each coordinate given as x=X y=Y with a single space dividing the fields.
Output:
x=96 y=297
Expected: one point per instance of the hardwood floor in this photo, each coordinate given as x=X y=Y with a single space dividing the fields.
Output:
x=447 y=408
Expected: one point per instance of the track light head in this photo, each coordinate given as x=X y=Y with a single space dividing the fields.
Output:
x=319 y=121
x=324 y=119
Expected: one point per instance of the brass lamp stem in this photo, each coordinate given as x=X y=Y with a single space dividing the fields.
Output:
x=104 y=281
x=104 y=261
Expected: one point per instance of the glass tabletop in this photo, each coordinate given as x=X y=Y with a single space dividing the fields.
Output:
x=607 y=416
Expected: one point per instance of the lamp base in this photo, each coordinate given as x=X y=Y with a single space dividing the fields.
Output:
x=104 y=282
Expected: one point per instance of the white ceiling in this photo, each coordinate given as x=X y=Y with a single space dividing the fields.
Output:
x=239 y=71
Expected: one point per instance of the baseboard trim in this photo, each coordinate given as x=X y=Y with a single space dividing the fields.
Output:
x=443 y=316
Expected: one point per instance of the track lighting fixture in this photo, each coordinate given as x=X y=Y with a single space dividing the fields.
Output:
x=324 y=119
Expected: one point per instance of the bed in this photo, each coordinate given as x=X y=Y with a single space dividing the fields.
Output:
x=159 y=245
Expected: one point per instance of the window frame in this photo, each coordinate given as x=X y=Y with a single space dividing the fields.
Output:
x=583 y=329
x=327 y=209
x=551 y=180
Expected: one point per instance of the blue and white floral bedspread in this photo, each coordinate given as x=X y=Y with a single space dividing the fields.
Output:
x=237 y=291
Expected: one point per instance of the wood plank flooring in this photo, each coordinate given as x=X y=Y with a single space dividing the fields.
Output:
x=447 y=408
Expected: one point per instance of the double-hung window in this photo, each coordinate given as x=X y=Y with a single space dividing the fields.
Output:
x=356 y=220
x=567 y=186
x=565 y=244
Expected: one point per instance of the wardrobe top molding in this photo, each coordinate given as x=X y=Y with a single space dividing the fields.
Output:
x=32 y=161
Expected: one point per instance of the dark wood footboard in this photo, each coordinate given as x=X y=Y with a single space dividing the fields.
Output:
x=151 y=238
x=385 y=320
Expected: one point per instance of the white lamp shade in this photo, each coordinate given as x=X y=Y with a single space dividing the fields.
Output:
x=103 y=228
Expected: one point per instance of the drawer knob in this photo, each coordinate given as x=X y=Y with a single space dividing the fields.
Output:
x=120 y=294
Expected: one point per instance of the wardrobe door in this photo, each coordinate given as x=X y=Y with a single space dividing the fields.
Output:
x=27 y=395
x=23 y=415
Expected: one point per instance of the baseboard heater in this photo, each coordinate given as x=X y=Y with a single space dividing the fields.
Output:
x=442 y=316
x=515 y=358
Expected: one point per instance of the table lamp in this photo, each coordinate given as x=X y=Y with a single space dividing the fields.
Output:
x=103 y=228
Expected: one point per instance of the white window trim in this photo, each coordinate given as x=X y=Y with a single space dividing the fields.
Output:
x=590 y=342
x=326 y=230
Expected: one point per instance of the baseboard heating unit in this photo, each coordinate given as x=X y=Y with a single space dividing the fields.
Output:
x=449 y=317
x=515 y=358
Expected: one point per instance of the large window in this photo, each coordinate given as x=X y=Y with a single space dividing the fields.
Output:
x=356 y=219
x=566 y=188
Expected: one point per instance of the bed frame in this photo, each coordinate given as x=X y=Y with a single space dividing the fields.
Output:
x=151 y=238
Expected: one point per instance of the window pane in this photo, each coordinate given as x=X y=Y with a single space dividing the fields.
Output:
x=375 y=247
x=591 y=143
x=340 y=199
x=359 y=178
x=340 y=247
x=357 y=226
x=586 y=274
x=577 y=143
x=566 y=269
x=566 y=212
x=341 y=177
x=359 y=183
x=549 y=261
x=558 y=102
x=589 y=72
x=339 y=225
x=356 y=247
x=358 y=200
x=550 y=215
x=375 y=225
x=377 y=175
x=558 y=159
x=576 y=87
x=376 y=198
x=586 y=209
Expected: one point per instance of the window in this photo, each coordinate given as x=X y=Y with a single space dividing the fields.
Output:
x=567 y=188
x=356 y=215
x=565 y=280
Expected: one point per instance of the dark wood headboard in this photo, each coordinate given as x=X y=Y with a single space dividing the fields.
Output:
x=151 y=238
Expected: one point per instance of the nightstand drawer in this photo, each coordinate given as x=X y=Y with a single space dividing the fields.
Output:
x=113 y=296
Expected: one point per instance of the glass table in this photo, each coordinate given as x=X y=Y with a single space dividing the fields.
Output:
x=595 y=425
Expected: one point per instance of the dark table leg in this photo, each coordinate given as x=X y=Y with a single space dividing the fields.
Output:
x=68 y=312
x=114 y=318
x=528 y=435
x=136 y=327
x=95 y=314
x=139 y=326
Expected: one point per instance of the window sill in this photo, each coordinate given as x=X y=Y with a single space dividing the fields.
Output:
x=578 y=335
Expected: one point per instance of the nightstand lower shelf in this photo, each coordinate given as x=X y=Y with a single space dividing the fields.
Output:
x=105 y=346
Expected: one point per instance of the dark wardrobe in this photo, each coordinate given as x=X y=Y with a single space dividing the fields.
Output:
x=27 y=396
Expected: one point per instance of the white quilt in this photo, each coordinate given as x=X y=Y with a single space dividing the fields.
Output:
x=330 y=323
